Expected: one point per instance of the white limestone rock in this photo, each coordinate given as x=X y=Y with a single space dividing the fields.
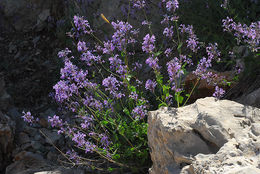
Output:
x=209 y=136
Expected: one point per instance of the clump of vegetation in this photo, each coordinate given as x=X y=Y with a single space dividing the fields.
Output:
x=103 y=83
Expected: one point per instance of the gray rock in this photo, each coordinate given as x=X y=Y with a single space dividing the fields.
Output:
x=209 y=136
x=7 y=128
x=51 y=137
x=5 y=101
x=23 y=138
x=62 y=171
x=251 y=99
x=37 y=146
x=26 y=163
x=25 y=15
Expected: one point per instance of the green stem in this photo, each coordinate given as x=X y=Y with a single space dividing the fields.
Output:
x=192 y=91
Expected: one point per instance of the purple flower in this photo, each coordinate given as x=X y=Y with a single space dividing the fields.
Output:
x=27 y=116
x=79 y=138
x=212 y=51
x=192 y=41
x=104 y=140
x=146 y=22
x=62 y=91
x=55 y=121
x=168 y=32
x=172 y=5
x=82 y=24
x=167 y=52
x=148 y=43
x=133 y=96
x=64 y=53
x=87 y=122
x=120 y=35
x=89 y=58
x=139 y=112
x=82 y=46
x=153 y=63
x=108 y=47
x=202 y=67
x=138 y=3
x=248 y=34
x=69 y=70
x=150 y=85
x=112 y=86
x=115 y=62
x=174 y=69
x=219 y=92
x=73 y=156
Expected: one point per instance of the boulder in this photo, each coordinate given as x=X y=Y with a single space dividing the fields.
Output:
x=4 y=96
x=25 y=15
x=208 y=136
x=251 y=99
x=7 y=127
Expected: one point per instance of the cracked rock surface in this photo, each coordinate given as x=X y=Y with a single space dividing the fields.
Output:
x=207 y=137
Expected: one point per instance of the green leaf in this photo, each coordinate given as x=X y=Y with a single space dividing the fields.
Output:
x=179 y=46
x=162 y=104
x=123 y=54
x=157 y=53
x=126 y=111
x=104 y=122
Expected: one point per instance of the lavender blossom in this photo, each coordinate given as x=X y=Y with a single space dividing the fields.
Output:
x=168 y=32
x=248 y=34
x=168 y=52
x=64 y=53
x=79 y=138
x=150 y=85
x=82 y=24
x=219 y=92
x=139 y=112
x=192 y=41
x=138 y=3
x=148 y=43
x=27 y=116
x=174 y=69
x=133 y=96
x=153 y=63
x=120 y=35
x=55 y=121
x=82 y=46
x=112 y=85
x=171 y=5
x=108 y=47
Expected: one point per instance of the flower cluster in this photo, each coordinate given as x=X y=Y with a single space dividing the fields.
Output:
x=171 y=5
x=27 y=116
x=219 y=92
x=248 y=34
x=112 y=85
x=138 y=3
x=148 y=43
x=192 y=41
x=206 y=63
x=82 y=25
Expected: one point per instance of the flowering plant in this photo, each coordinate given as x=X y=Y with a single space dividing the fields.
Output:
x=109 y=94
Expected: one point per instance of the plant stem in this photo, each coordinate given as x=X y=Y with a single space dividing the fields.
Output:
x=198 y=79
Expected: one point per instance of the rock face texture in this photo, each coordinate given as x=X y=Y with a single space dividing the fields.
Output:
x=24 y=15
x=209 y=136
x=252 y=99
x=7 y=127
